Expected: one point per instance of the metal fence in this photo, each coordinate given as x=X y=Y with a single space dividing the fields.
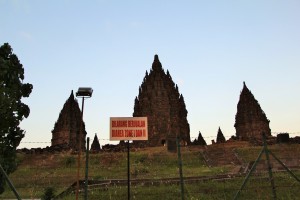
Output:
x=218 y=171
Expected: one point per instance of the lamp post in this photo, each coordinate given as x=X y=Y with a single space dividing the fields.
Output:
x=83 y=92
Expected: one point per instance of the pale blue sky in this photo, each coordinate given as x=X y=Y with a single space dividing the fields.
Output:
x=209 y=47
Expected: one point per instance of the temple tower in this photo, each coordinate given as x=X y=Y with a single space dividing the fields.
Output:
x=160 y=101
x=250 y=119
x=200 y=140
x=220 y=137
x=95 y=145
x=67 y=128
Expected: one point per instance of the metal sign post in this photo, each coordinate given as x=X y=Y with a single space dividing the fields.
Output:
x=86 y=184
x=128 y=128
x=83 y=92
x=128 y=169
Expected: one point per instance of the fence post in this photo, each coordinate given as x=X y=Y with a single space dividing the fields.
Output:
x=180 y=168
x=269 y=167
x=10 y=183
x=86 y=169
x=266 y=151
x=249 y=173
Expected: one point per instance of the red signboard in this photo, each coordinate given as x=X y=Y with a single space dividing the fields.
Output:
x=128 y=128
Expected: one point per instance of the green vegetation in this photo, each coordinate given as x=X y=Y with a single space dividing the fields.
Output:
x=38 y=172
x=12 y=109
x=48 y=194
x=258 y=188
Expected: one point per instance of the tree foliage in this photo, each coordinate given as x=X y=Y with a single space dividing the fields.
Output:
x=12 y=110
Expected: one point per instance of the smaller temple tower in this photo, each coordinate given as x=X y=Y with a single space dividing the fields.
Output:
x=220 y=137
x=95 y=145
x=250 y=119
x=66 y=130
x=200 y=140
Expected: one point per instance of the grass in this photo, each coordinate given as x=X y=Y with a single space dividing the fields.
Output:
x=58 y=171
x=208 y=190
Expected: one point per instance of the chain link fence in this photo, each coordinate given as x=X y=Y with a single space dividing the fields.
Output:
x=214 y=171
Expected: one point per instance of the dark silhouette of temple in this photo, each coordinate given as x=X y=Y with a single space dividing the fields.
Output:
x=95 y=144
x=250 y=119
x=200 y=140
x=160 y=101
x=220 y=137
x=67 y=128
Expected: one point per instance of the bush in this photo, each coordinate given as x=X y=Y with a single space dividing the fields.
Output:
x=48 y=193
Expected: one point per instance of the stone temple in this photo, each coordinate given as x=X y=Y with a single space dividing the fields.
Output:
x=95 y=144
x=250 y=119
x=220 y=137
x=66 y=130
x=160 y=101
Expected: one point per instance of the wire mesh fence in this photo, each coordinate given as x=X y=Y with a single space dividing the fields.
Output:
x=208 y=172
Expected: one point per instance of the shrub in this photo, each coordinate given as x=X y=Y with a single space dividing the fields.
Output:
x=48 y=193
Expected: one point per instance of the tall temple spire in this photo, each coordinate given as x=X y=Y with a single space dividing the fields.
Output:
x=66 y=130
x=160 y=101
x=156 y=66
x=250 y=119
x=71 y=95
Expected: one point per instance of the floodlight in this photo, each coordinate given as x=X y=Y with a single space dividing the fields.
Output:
x=84 y=92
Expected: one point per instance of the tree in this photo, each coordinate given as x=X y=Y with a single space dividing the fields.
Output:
x=12 y=110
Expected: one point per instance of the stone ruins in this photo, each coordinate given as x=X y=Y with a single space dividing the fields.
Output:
x=160 y=101
x=250 y=119
x=67 y=128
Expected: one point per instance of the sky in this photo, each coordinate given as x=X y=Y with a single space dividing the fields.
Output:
x=209 y=48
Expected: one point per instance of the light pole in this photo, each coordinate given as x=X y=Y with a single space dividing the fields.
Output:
x=83 y=92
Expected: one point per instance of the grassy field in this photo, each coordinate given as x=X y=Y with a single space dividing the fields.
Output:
x=58 y=171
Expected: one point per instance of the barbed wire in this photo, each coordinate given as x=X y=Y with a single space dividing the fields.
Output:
x=196 y=137
x=59 y=171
